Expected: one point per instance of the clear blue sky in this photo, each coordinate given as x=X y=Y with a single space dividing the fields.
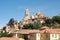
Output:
x=16 y=8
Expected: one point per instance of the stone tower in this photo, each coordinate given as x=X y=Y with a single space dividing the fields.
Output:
x=27 y=12
x=26 y=17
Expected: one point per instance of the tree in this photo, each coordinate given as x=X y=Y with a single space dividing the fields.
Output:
x=56 y=19
x=49 y=22
x=5 y=34
x=54 y=22
x=28 y=26
x=11 y=22
x=56 y=25
x=4 y=28
x=35 y=25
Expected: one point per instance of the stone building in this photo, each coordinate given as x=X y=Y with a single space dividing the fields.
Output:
x=31 y=19
x=43 y=34
x=28 y=19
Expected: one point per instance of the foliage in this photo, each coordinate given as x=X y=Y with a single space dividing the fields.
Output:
x=56 y=25
x=5 y=34
x=54 y=22
x=28 y=26
x=21 y=36
x=4 y=28
x=35 y=25
x=49 y=22
x=11 y=22
x=56 y=19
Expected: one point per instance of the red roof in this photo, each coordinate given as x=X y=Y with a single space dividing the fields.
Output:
x=51 y=31
x=8 y=38
x=46 y=29
x=26 y=31
x=55 y=31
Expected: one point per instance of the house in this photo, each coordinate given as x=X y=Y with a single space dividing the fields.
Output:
x=27 y=33
x=35 y=36
x=54 y=34
x=43 y=34
x=50 y=34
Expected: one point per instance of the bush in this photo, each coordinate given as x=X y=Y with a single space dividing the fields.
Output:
x=21 y=36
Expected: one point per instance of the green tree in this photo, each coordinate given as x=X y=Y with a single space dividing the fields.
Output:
x=56 y=25
x=28 y=26
x=21 y=36
x=11 y=22
x=5 y=34
x=49 y=22
x=56 y=19
x=4 y=28
x=35 y=25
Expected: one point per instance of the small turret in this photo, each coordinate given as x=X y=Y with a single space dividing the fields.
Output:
x=38 y=12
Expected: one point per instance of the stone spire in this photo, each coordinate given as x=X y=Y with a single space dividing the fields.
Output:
x=26 y=17
x=27 y=12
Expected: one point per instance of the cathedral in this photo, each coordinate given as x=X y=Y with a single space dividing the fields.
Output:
x=28 y=19
x=31 y=19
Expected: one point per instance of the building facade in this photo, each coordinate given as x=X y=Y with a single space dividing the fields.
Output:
x=43 y=34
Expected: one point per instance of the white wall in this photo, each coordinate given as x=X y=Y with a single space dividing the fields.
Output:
x=54 y=37
x=37 y=36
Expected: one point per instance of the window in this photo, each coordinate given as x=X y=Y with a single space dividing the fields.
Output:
x=59 y=35
x=55 y=35
x=52 y=35
x=38 y=34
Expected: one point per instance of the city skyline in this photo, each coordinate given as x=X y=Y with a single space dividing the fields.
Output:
x=16 y=9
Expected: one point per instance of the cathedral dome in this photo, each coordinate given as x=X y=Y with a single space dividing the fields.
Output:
x=38 y=12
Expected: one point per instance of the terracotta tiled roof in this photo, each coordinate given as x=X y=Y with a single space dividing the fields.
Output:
x=8 y=38
x=42 y=31
x=26 y=31
x=47 y=30
x=51 y=31
x=55 y=31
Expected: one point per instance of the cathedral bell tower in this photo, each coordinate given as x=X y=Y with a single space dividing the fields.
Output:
x=27 y=12
x=26 y=17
